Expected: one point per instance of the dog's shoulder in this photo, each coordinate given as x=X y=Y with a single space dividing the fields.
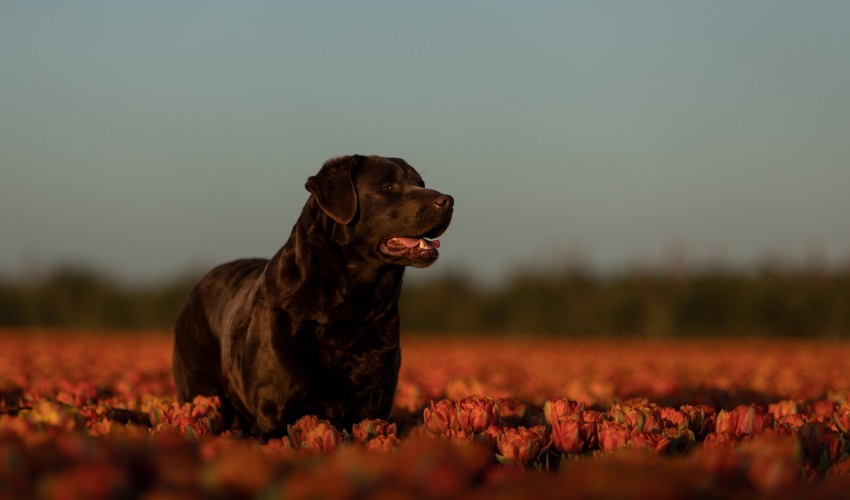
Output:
x=237 y=270
x=232 y=276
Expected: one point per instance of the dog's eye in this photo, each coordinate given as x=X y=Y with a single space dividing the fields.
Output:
x=392 y=186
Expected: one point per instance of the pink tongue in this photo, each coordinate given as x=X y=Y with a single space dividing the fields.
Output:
x=414 y=242
x=409 y=242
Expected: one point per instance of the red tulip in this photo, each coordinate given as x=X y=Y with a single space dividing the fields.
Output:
x=752 y=420
x=299 y=430
x=520 y=445
x=822 y=408
x=841 y=417
x=674 y=418
x=655 y=442
x=324 y=438
x=441 y=416
x=727 y=422
x=743 y=420
x=383 y=443
x=569 y=436
x=476 y=413
x=612 y=436
x=161 y=413
x=591 y=420
x=782 y=408
x=201 y=417
x=638 y=419
x=555 y=409
x=371 y=428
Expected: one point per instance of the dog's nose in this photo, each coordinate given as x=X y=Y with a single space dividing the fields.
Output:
x=444 y=201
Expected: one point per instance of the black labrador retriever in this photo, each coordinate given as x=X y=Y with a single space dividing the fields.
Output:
x=315 y=330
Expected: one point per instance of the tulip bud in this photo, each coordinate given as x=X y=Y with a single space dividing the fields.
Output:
x=752 y=420
x=323 y=438
x=638 y=418
x=743 y=421
x=555 y=409
x=441 y=416
x=568 y=436
x=476 y=413
x=612 y=436
x=841 y=417
x=298 y=431
x=782 y=408
x=591 y=420
x=520 y=445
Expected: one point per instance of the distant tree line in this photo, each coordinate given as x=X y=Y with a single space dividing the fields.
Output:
x=769 y=301
x=78 y=297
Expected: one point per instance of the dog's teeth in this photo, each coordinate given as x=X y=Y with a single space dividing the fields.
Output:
x=423 y=245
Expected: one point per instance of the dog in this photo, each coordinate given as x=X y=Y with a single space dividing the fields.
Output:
x=315 y=329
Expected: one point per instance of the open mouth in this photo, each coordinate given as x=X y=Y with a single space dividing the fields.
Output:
x=410 y=247
x=417 y=251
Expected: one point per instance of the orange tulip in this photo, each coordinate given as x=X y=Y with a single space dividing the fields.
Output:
x=520 y=445
x=476 y=413
x=555 y=409
x=441 y=416
x=613 y=436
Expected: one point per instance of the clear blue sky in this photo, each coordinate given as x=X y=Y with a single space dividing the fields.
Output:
x=145 y=138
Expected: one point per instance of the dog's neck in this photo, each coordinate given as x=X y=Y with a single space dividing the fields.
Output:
x=319 y=266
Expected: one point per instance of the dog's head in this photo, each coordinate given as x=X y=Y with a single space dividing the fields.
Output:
x=381 y=206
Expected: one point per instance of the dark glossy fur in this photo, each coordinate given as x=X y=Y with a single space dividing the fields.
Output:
x=314 y=330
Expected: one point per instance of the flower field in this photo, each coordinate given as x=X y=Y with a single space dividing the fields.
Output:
x=90 y=416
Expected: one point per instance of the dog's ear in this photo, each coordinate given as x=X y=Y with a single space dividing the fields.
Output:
x=334 y=189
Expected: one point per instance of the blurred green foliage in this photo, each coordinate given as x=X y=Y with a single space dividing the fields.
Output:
x=772 y=300
x=78 y=297
x=769 y=301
